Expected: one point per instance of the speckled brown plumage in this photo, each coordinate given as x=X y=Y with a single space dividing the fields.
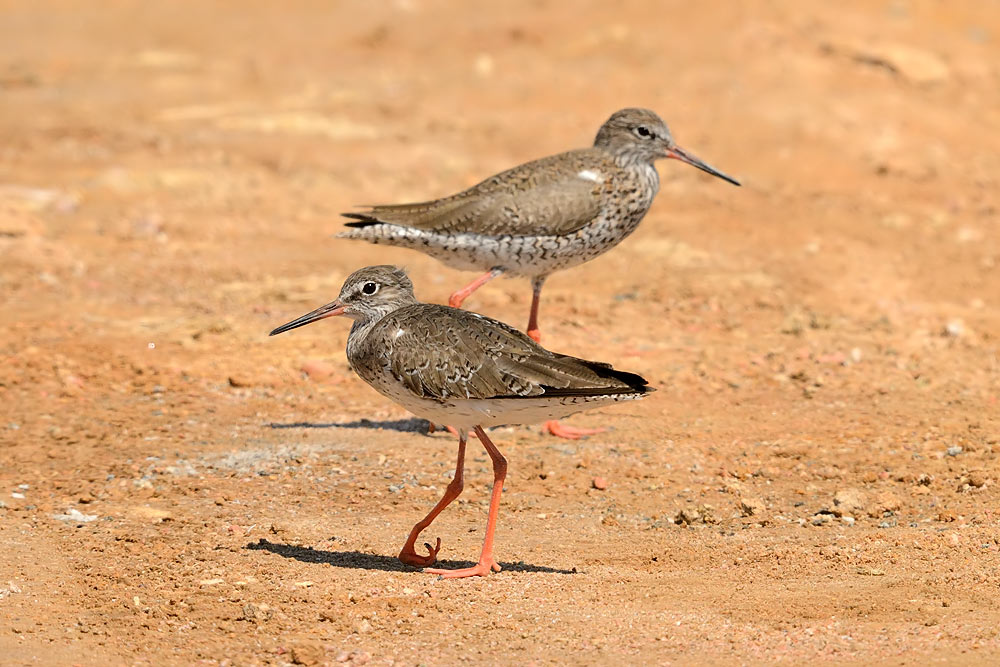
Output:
x=542 y=216
x=461 y=368
x=465 y=370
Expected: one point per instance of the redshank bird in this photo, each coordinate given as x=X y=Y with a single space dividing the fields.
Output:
x=542 y=216
x=539 y=217
x=462 y=369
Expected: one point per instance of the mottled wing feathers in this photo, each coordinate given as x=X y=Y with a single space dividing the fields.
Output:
x=556 y=195
x=440 y=353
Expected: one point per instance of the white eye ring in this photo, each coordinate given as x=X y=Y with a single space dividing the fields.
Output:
x=369 y=288
x=644 y=132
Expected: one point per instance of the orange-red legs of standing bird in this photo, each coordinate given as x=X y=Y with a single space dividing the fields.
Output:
x=486 y=562
x=536 y=296
x=455 y=301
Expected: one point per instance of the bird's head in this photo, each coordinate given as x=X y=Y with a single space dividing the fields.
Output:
x=368 y=294
x=641 y=136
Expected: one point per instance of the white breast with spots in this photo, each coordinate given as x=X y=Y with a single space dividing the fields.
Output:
x=623 y=210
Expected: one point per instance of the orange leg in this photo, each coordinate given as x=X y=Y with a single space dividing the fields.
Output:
x=456 y=299
x=536 y=296
x=409 y=554
x=431 y=429
x=569 y=432
x=552 y=426
x=486 y=562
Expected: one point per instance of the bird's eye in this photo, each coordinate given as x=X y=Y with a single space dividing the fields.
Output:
x=643 y=132
x=369 y=288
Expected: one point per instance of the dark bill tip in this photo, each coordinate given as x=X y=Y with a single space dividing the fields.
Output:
x=678 y=153
x=329 y=310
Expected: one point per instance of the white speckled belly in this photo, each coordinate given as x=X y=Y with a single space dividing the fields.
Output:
x=517 y=255
x=528 y=255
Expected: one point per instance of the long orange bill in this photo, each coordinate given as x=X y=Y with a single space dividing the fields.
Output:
x=329 y=310
x=679 y=153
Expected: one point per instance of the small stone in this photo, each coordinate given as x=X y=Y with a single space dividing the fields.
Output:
x=363 y=626
x=883 y=503
x=211 y=582
x=308 y=654
x=821 y=519
x=256 y=613
x=953 y=329
x=599 y=483
x=848 y=502
x=688 y=516
x=752 y=506
x=954 y=450
x=847 y=520
x=74 y=515
x=977 y=480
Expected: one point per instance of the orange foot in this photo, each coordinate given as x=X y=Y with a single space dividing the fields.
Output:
x=570 y=432
x=535 y=335
x=431 y=428
x=480 y=569
x=410 y=556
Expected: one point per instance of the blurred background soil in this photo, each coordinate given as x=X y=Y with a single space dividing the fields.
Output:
x=816 y=478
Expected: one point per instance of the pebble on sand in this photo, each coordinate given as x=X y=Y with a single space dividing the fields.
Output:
x=599 y=483
x=308 y=654
x=849 y=502
x=74 y=515
x=752 y=506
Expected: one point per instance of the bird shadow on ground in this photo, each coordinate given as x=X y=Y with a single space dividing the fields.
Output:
x=362 y=561
x=411 y=425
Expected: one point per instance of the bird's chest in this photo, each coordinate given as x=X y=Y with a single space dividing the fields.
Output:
x=625 y=203
x=630 y=198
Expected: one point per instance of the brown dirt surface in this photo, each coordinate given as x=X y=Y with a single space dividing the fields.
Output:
x=815 y=480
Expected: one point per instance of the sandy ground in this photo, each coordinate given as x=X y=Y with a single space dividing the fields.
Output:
x=815 y=480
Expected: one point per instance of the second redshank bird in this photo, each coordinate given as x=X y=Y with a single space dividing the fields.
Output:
x=463 y=369
x=542 y=216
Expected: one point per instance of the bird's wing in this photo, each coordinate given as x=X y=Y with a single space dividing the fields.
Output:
x=440 y=353
x=552 y=196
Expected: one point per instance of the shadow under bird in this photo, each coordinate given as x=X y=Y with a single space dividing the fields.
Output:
x=542 y=216
x=460 y=368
